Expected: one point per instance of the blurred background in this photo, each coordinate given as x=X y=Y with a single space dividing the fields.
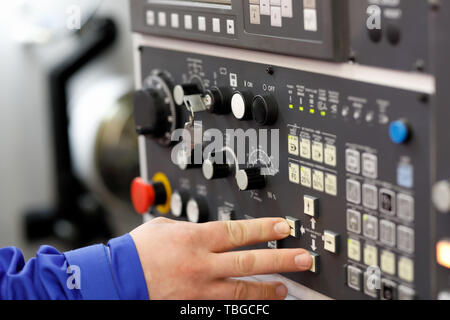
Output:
x=67 y=143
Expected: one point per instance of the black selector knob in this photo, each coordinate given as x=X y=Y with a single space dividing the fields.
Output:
x=220 y=100
x=241 y=105
x=183 y=90
x=150 y=113
x=265 y=110
x=212 y=170
x=250 y=179
x=197 y=210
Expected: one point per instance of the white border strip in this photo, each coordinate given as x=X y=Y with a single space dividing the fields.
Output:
x=411 y=81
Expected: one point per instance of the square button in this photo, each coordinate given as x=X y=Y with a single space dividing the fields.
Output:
x=330 y=241
x=305 y=148
x=255 y=16
x=370 y=196
x=388 y=290
x=317 y=151
x=387 y=233
x=311 y=206
x=162 y=19
x=331 y=184
x=370 y=227
x=405 y=207
x=201 y=23
x=286 y=9
x=406 y=269
x=370 y=255
x=150 y=17
x=405 y=175
x=388 y=262
x=318 y=180
x=295 y=226
x=353 y=191
x=387 y=201
x=315 y=262
x=230 y=27
x=405 y=293
x=354 y=249
x=305 y=174
x=293 y=145
x=216 y=25
x=353 y=221
x=264 y=6
x=188 y=22
x=372 y=283
x=330 y=155
x=294 y=173
x=370 y=165
x=354 y=278
x=405 y=241
x=275 y=17
x=352 y=161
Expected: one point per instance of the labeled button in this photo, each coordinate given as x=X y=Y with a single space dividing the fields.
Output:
x=255 y=16
x=353 y=191
x=353 y=161
x=330 y=155
x=293 y=148
x=311 y=206
x=387 y=202
x=264 y=6
x=405 y=241
x=354 y=249
x=201 y=23
x=406 y=269
x=388 y=290
x=330 y=241
x=370 y=165
x=353 y=221
x=306 y=177
x=216 y=25
x=286 y=9
x=315 y=266
x=317 y=151
x=370 y=255
x=388 y=262
x=318 y=183
x=305 y=148
x=295 y=226
x=188 y=22
x=294 y=173
x=387 y=233
x=331 y=184
x=405 y=293
x=354 y=278
x=275 y=17
x=372 y=282
x=370 y=227
x=370 y=196
x=405 y=207
x=230 y=27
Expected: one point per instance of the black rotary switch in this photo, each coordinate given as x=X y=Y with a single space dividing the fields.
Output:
x=220 y=100
x=265 y=110
x=250 y=179
x=150 y=113
x=212 y=170
x=241 y=105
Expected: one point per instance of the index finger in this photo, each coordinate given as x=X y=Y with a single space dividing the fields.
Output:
x=227 y=235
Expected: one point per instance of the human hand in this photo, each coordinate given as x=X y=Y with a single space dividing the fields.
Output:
x=185 y=261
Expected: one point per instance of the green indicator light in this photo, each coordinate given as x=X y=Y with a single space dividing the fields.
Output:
x=323 y=113
x=312 y=111
x=302 y=109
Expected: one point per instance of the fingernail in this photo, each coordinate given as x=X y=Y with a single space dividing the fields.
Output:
x=303 y=261
x=281 y=291
x=282 y=228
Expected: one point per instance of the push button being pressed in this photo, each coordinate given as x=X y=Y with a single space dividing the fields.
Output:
x=145 y=195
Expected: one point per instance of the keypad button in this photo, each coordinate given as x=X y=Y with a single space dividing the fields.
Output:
x=188 y=22
x=353 y=161
x=315 y=266
x=255 y=15
x=405 y=239
x=216 y=25
x=331 y=184
x=275 y=17
x=265 y=7
x=405 y=175
x=318 y=183
x=354 y=249
x=310 y=19
x=387 y=233
x=305 y=148
x=370 y=196
x=354 y=278
x=353 y=191
x=286 y=9
x=230 y=27
x=388 y=262
x=330 y=241
x=317 y=151
x=405 y=293
x=295 y=226
x=372 y=283
x=370 y=165
x=370 y=255
x=387 y=201
x=311 y=206
x=388 y=290
x=201 y=23
x=175 y=20
x=330 y=155
x=162 y=19
x=405 y=207
x=406 y=269
x=306 y=179
x=370 y=227
x=293 y=148
x=150 y=17
x=353 y=221
x=294 y=173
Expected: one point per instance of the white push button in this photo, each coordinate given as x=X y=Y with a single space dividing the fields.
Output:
x=150 y=17
x=275 y=17
x=311 y=206
x=216 y=25
x=188 y=22
x=286 y=9
x=201 y=23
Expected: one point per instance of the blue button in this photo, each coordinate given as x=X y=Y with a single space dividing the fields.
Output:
x=399 y=132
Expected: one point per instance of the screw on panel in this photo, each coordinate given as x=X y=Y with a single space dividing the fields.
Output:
x=420 y=65
x=270 y=70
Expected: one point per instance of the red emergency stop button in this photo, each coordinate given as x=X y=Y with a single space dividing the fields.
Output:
x=142 y=195
x=443 y=253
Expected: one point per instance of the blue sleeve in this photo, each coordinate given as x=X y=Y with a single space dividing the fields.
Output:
x=97 y=272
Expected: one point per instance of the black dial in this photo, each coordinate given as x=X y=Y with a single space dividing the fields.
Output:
x=265 y=110
x=154 y=108
x=250 y=179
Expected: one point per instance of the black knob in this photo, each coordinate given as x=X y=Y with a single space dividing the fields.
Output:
x=220 y=100
x=197 y=210
x=183 y=90
x=241 y=105
x=250 y=179
x=212 y=170
x=265 y=110
x=150 y=113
